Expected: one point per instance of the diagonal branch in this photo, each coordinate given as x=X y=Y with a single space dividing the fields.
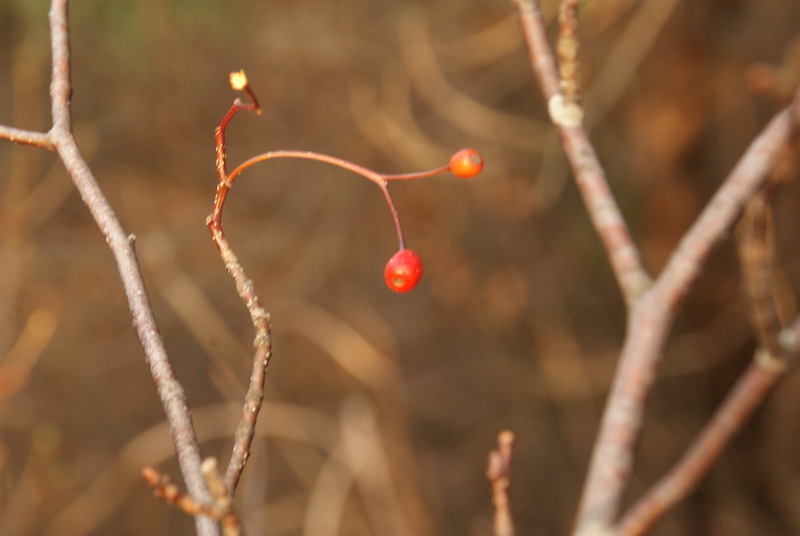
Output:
x=746 y=396
x=61 y=140
x=589 y=174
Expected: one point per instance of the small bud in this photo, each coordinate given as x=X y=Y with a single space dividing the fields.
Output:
x=238 y=80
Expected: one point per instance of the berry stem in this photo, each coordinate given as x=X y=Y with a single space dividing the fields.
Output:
x=378 y=178
x=395 y=217
x=417 y=175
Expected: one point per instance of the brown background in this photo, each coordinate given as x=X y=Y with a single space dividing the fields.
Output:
x=516 y=323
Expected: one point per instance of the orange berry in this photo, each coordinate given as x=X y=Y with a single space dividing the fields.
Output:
x=466 y=163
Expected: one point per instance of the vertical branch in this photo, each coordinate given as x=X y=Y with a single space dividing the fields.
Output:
x=756 y=251
x=567 y=48
x=169 y=388
x=262 y=342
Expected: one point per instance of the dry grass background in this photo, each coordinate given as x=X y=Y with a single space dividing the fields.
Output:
x=381 y=407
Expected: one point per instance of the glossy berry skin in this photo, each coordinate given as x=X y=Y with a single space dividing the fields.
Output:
x=403 y=271
x=466 y=163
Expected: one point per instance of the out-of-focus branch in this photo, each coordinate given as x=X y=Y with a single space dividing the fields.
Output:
x=649 y=324
x=603 y=210
x=498 y=471
x=652 y=307
x=756 y=252
x=746 y=396
x=221 y=508
x=61 y=140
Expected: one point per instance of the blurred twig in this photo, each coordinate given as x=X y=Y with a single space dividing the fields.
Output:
x=61 y=140
x=221 y=508
x=453 y=105
x=567 y=47
x=756 y=252
x=498 y=471
x=17 y=365
x=624 y=60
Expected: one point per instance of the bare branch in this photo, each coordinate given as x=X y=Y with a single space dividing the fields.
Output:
x=652 y=307
x=612 y=459
x=262 y=342
x=746 y=396
x=603 y=210
x=60 y=139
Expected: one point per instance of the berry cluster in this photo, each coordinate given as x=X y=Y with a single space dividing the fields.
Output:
x=404 y=269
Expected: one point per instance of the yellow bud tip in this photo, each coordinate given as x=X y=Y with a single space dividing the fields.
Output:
x=238 y=80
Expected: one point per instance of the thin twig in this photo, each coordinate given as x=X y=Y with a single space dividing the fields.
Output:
x=605 y=214
x=26 y=137
x=262 y=343
x=222 y=499
x=498 y=471
x=60 y=139
x=164 y=488
x=221 y=508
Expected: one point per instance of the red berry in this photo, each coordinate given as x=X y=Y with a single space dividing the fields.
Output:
x=466 y=163
x=403 y=271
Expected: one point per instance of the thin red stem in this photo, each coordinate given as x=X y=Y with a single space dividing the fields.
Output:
x=377 y=178
x=395 y=217
x=219 y=134
x=417 y=175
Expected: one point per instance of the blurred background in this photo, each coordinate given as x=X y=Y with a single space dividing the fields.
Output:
x=381 y=408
